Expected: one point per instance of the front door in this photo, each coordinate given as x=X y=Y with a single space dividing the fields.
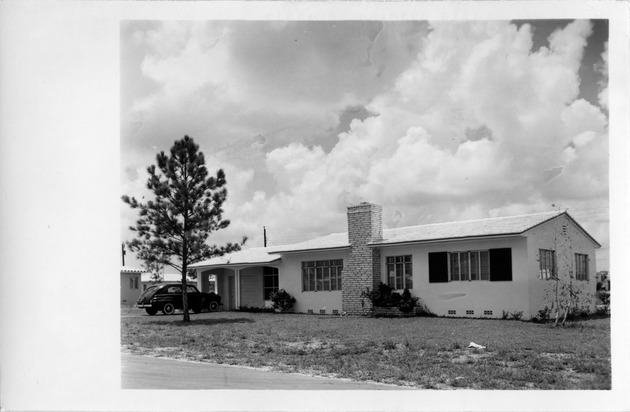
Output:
x=231 y=293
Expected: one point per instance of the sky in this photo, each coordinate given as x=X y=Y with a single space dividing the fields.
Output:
x=434 y=120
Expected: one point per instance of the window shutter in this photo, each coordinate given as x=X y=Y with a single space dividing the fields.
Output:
x=438 y=267
x=501 y=264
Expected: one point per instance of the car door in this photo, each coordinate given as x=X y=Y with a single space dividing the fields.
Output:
x=194 y=296
x=174 y=293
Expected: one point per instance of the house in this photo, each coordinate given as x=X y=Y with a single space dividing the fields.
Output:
x=474 y=268
x=130 y=285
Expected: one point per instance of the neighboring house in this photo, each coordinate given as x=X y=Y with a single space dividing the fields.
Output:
x=475 y=268
x=130 y=284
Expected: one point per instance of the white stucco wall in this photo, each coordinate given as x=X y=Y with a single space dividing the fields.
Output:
x=550 y=236
x=290 y=279
x=129 y=296
x=252 y=287
x=478 y=296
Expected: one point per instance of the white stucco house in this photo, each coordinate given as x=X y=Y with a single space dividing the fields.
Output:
x=130 y=284
x=473 y=268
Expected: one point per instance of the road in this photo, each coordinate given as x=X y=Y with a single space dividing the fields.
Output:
x=144 y=372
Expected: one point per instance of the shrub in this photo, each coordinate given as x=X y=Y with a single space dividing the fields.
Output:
x=603 y=297
x=517 y=315
x=383 y=296
x=423 y=311
x=543 y=315
x=282 y=300
x=576 y=313
x=505 y=315
x=254 y=309
x=407 y=302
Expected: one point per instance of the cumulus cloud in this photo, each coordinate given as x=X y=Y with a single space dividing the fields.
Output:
x=603 y=69
x=416 y=150
x=465 y=119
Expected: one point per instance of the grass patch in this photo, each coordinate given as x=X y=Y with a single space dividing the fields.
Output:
x=419 y=352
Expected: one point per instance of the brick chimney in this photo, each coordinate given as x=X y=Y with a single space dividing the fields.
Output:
x=365 y=225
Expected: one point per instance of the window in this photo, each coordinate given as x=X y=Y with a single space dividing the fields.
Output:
x=581 y=266
x=469 y=265
x=321 y=275
x=494 y=265
x=135 y=282
x=399 y=272
x=130 y=283
x=547 y=260
x=270 y=281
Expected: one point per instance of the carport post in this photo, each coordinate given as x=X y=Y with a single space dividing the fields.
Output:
x=237 y=287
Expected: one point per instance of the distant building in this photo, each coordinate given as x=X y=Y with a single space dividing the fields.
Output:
x=130 y=284
x=474 y=268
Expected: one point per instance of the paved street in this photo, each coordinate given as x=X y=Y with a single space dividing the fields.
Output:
x=143 y=372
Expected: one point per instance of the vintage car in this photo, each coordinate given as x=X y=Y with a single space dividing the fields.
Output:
x=168 y=296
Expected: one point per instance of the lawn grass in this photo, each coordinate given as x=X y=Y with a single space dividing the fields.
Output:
x=418 y=352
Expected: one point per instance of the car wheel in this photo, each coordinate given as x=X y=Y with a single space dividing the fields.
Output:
x=214 y=306
x=151 y=311
x=168 y=309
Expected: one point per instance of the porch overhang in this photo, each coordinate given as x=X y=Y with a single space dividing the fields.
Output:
x=237 y=266
x=239 y=260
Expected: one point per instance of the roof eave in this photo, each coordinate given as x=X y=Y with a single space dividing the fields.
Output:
x=231 y=265
x=444 y=240
x=321 y=249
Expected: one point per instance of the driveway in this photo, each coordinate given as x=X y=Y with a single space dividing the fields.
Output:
x=144 y=372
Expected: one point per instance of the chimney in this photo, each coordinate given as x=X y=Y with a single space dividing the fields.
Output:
x=365 y=225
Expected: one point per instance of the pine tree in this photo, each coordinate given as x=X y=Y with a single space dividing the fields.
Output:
x=173 y=228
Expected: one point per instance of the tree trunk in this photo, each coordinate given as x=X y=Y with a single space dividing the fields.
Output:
x=557 y=305
x=184 y=281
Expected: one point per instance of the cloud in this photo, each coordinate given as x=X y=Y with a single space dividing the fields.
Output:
x=417 y=149
x=603 y=69
x=465 y=119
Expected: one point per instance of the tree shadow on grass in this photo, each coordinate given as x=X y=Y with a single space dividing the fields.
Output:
x=204 y=322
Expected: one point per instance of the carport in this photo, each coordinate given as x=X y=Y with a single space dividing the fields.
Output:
x=242 y=279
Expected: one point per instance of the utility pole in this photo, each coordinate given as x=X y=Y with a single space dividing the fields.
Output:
x=265 y=236
x=123 y=254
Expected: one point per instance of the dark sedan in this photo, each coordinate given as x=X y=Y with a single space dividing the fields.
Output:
x=168 y=296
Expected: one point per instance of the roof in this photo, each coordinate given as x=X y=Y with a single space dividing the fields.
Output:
x=333 y=241
x=257 y=255
x=129 y=269
x=435 y=232
x=498 y=226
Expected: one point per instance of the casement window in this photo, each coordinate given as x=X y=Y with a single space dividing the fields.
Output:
x=581 y=266
x=399 y=272
x=135 y=283
x=321 y=275
x=270 y=281
x=130 y=283
x=493 y=265
x=464 y=266
x=547 y=262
